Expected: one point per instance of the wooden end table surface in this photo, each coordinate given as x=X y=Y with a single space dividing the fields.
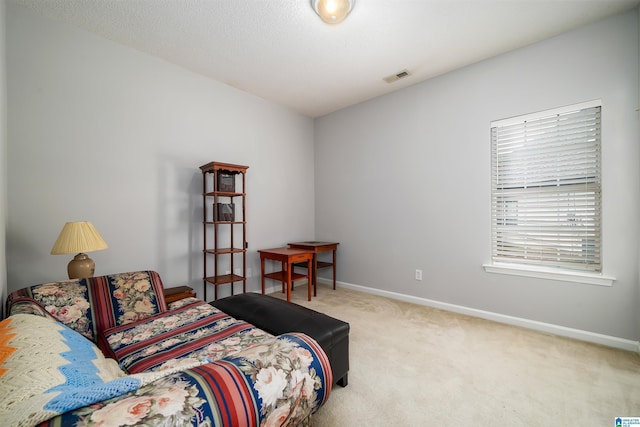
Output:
x=177 y=293
x=287 y=256
x=318 y=247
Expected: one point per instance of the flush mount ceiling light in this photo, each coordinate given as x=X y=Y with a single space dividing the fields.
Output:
x=332 y=11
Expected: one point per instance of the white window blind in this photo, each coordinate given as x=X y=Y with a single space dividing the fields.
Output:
x=546 y=206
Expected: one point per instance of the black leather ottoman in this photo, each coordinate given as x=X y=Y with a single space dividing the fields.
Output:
x=277 y=317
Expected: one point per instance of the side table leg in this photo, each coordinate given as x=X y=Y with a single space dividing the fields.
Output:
x=310 y=281
x=289 y=282
x=262 y=273
x=314 y=275
x=334 y=269
x=282 y=268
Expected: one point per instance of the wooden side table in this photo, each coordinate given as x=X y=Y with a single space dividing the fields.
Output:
x=178 y=293
x=287 y=256
x=318 y=247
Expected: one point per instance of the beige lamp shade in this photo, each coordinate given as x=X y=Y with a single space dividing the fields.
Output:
x=79 y=237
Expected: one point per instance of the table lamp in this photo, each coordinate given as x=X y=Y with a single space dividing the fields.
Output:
x=79 y=237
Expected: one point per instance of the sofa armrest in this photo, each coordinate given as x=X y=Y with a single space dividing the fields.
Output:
x=24 y=305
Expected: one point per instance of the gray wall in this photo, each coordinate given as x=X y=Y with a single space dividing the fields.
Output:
x=405 y=180
x=104 y=133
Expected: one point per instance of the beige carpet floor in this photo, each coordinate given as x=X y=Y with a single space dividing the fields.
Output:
x=412 y=365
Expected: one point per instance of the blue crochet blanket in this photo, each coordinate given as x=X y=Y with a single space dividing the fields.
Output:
x=49 y=369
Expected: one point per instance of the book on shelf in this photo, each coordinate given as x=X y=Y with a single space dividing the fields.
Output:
x=226 y=182
x=224 y=211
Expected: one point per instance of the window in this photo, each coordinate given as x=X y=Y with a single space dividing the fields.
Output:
x=545 y=190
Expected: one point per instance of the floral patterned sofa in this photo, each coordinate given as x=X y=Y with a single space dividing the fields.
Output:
x=107 y=351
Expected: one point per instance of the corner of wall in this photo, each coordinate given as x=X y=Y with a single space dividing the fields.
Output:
x=638 y=125
x=3 y=154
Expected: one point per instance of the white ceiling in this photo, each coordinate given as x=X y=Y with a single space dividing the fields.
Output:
x=280 y=50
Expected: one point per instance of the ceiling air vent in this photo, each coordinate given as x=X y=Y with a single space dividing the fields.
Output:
x=397 y=76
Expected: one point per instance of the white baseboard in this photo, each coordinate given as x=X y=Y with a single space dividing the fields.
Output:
x=271 y=289
x=578 y=334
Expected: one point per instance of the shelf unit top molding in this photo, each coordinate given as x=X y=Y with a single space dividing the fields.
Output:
x=228 y=167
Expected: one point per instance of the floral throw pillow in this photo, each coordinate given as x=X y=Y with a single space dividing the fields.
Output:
x=133 y=296
x=68 y=302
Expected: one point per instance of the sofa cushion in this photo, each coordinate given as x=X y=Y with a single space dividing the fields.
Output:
x=277 y=383
x=195 y=332
x=92 y=305
x=48 y=369
x=123 y=298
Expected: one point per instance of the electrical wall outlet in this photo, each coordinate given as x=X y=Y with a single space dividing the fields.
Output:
x=418 y=274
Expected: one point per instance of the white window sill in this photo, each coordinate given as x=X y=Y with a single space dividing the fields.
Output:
x=546 y=273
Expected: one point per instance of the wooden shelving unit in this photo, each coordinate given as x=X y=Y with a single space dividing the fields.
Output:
x=224 y=225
